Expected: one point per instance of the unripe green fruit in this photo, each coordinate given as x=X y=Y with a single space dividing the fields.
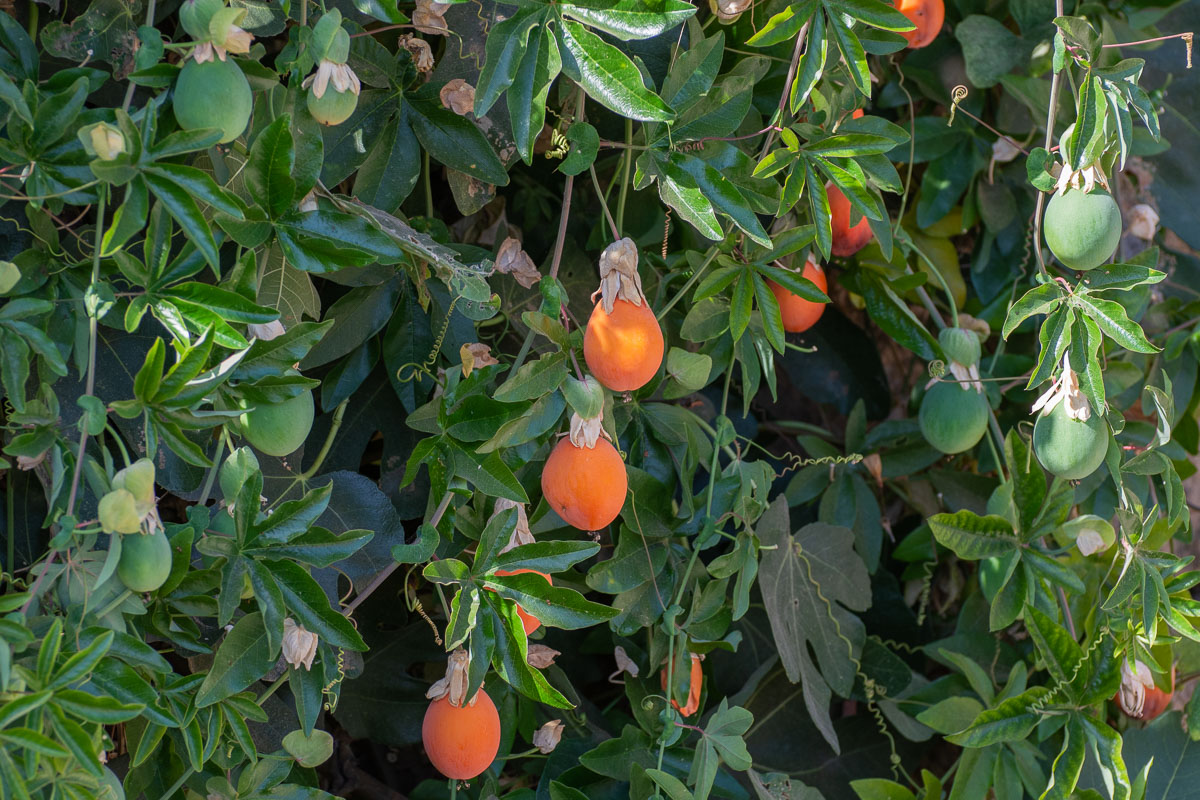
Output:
x=145 y=561
x=279 y=429
x=1067 y=447
x=953 y=420
x=214 y=94
x=1083 y=229
x=195 y=15
x=333 y=107
x=960 y=345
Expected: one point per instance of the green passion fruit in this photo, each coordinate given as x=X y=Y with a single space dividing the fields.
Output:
x=1083 y=228
x=281 y=428
x=1067 y=447
x=953 y=420
x=333 y=107
x=145 y=560
x=214 y=94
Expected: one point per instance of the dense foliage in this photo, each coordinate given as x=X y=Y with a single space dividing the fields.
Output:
x=859 y=475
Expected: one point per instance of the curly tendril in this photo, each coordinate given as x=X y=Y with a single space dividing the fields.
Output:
x=426 y=368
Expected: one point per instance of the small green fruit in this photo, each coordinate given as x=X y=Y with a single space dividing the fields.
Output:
x=1067 y=447
x=953 y=420
x=214 y=94
x=1083 y=229
x=960 y=345
x=195 y=15
x=145 y=561
x=333 y=107
x=118 y=512
x=279 y=429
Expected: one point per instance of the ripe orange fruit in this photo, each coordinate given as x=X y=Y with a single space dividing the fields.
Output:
x=695 y=684
x=461 y=742
x=858 y=112
x=585 y=486
x=625 y=348
x=846 y=240
x=927 y=15
x=799 y=314
x=528 y=621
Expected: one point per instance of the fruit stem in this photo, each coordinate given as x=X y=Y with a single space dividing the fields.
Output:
x=91 y=387
x=338 y=414
x=941 y=279
x=453 y=789
x=565 y=211
x=712 y=253
x=612 y=223
x=212 y=472
x=387 y=572
x=150 y=23
x=625 y=176
x=1051 y=114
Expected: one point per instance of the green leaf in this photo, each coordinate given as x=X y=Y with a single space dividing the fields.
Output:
x=292 y=518
x=420 y=551
x=504 y=50
x=989 y=49
x=307 y=602
x=973 y=537
x=185 y=211
x=951 y=715
x=540 y=65
x=722 y=742
x=786 y=24
x=453 y=140
x=608 y=76
x=488 y=473
x=1010 y=721
x=811 y=65
x=880 y=789
x=1069 y=762
x=1111 y=318
x=80 y=664
x=199 y=184
x=268 y=173
x=1060 y=653
x=22 y=705
x=1054 y=337
x=679 y=190
x=853 y=53
x=32 y=740
x=93 y=708
x=630 y=19
x=81 y=745
x=1108 y=745
x=243 y=658
x=806 y=580
x=723 y=194
x=874 y=13
x=555 y=606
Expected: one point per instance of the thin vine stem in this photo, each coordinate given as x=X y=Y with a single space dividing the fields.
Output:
x=1051 y=116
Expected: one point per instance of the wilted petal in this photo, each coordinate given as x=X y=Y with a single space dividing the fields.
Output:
x=1143 y=221
x=299 y=645
x=458 y=96
x=547 y=737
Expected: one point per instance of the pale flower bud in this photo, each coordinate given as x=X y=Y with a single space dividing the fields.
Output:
x=267 y=330
x=1134 y=684
x=299 y=645
x=547 y=737
x=107 y=141
x=458 y=96
x=1089 y=541
x=1143 y=222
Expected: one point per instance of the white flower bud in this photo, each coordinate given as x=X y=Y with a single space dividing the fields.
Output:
x=299 y=645
x=1143 y=222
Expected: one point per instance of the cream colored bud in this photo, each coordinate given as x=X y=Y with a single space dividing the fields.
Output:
x=1134 y=684
x=299 y=645
x=1143 y=222
x=107 y=141
x=1089 y=541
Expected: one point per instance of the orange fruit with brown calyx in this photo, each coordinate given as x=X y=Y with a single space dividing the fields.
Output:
x=847 y=239
x=461 y=741
x=799 y=314
x=586 y=486
x=623 y=349
x=927 y=15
